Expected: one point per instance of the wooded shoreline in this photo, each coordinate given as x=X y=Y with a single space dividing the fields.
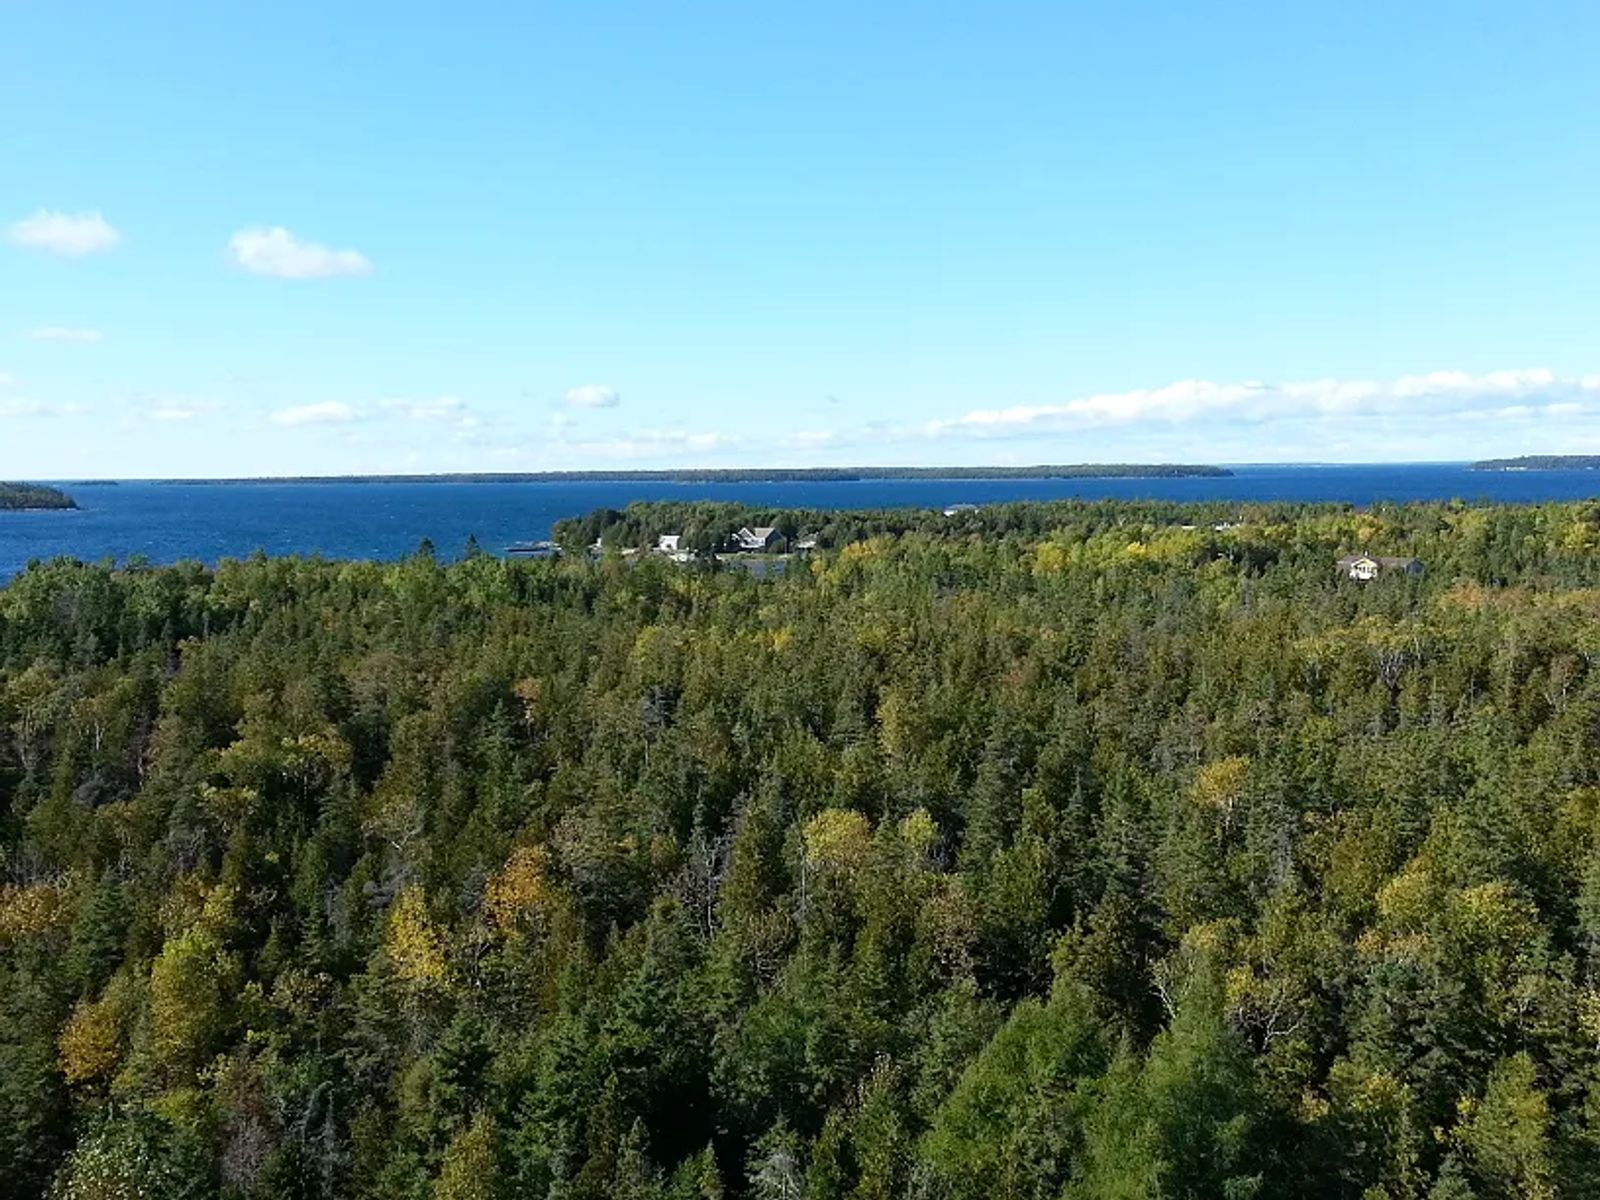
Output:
x=761 y=475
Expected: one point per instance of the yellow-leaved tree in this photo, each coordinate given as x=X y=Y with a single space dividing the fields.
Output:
x=471 y=1167
x=518 y=897
x=1219 y=785
x=30 y=909
x=415 y=944
x=838 y=841
x=190 y=983
x=90 y=1044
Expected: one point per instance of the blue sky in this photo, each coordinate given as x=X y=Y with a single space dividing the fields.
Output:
x=357 y=237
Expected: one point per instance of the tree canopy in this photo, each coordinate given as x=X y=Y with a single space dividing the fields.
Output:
x=1043 y=851
x=33 y=495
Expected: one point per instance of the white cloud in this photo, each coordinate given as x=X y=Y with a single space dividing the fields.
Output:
x=813 y=439
x=440 y=408
x=7 y=380
x=594 y=395
x=330 y=412
x=71 y=234
x=60 y=333
x=1190 y=400
x=1190 y=420
x=642 y=447
x=175 y=410
x=278 y=253
x=452 y=411
x=653 y=443
x=25 y=407
x=1460 y=383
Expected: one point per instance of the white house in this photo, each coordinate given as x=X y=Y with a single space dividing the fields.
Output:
x=667 y=543
x=761 y=538
x=1364 y=568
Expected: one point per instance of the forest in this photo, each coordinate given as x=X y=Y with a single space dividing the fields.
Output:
x=33 y=495
x=1045 y=852
x=1541 y=462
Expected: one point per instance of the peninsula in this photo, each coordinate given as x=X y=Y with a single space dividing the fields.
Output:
x=1541 y=462
x=15 y=496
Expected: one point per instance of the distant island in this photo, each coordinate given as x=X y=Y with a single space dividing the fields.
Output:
x=767 y=475
x=15 y=496
x=1541 y=462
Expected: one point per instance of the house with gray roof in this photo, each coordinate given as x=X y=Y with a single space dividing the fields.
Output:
x=762 y=539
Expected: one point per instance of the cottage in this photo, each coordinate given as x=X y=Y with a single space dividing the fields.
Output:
x=953 y=509
x=1364 y=568
x=806 y=544
x=667 y=543
x=761 y=539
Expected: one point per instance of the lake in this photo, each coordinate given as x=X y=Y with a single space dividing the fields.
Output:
x=168 y=522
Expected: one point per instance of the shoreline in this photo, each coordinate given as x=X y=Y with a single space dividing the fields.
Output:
x=754 y=475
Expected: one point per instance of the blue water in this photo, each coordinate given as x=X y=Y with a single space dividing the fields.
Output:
x=168 y=522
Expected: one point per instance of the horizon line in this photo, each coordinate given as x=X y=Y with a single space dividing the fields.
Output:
x=1086 y=470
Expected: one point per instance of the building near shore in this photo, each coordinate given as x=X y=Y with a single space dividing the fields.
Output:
x=1364 y=568
x=760 y=540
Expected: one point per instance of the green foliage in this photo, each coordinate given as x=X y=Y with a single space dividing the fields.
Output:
x=1041 y=851
x=190 y=985
x=134 y=1158
x=33 y=495
x=471 y=1167
x=1187 y=1121
x=1013 y=1126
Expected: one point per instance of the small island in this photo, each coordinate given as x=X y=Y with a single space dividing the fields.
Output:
x=1541 y=462
x=18 y=496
